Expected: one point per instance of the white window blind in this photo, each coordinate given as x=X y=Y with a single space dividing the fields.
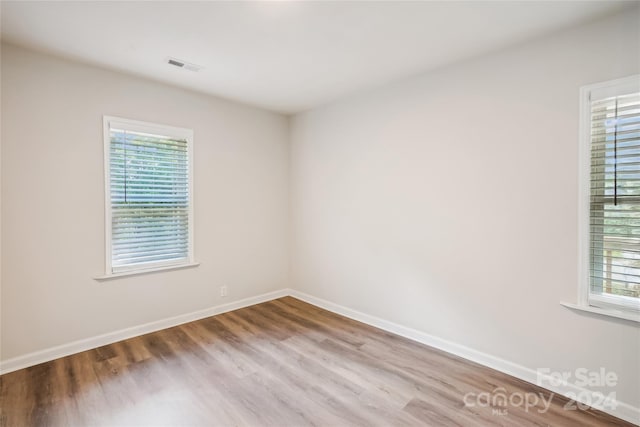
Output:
x=615 y=200
x=149 y=193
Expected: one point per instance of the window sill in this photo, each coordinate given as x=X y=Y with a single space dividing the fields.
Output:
x=148 y=271
x=604 y=312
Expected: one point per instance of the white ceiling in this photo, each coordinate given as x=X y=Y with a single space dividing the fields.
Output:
x=280 y=55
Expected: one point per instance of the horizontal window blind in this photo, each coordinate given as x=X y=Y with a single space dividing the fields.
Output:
x=149 y=189
x=615 y=196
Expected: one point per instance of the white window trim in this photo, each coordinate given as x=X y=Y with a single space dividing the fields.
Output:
x=144 y=271
x=612 y=307
x=154 y=128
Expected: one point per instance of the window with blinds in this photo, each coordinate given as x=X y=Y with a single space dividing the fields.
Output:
x=614 y=205
x=149 y=215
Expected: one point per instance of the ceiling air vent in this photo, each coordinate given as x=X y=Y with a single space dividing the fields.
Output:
x=183 y=64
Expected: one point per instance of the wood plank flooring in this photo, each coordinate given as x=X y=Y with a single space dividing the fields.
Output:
x=280 y=363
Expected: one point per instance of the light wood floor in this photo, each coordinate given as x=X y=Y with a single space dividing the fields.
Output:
x=280 y=363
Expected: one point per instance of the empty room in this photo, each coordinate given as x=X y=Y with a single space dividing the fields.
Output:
x=320 y=213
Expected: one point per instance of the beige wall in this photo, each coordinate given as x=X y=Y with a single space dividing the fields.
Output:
x=53 y=202
x=448 y=203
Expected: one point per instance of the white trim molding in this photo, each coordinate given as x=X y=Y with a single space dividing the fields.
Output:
x=139 y=272
x=52 y=353
x=631 y=317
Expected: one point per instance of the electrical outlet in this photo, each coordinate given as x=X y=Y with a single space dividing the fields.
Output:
x=223 y=291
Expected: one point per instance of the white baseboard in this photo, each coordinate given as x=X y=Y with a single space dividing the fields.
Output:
x=52 y=353
x=623 y=410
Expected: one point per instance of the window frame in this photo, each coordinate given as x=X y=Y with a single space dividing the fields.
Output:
x=158 y=129
x=617 y=306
